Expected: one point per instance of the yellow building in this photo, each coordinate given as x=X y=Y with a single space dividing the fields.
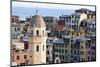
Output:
x=37 y=40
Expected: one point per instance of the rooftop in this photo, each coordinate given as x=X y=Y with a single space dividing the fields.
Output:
x=37 y=21
x=57 y=27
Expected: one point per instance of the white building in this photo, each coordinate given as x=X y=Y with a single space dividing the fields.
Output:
x=16 y=29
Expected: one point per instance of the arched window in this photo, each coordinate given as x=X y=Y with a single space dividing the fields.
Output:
x=37 y=48
x=43 y=32
x=37 y=33
x=43 y=47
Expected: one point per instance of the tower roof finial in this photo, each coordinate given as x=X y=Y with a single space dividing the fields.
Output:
x=37 y=12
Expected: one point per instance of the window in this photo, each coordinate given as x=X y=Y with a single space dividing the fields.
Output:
x=25 y=56
x=77 y=34
x=25 y=44
x=93 y=52
x=59 y=50
x=43 y=32
x=78 y=52
x=88 y=58
x=91 y=16
x=62 y=45
x=12 y=19
x=51 y=40
x=18 y=29
x=74 y=52
x=93 y=48
x=72 y=46
x=59 y=45
x=30 y=56
x=72 y=33
x=65 y=45
x=85 y=12
x=72 y=21
x=89 y=52
x=62 y=56
x=80 y=33
x=82 y=59
x=88 y=45
x=93 y=59
x=47 y=46
x=15 y=29
x=55 y=50
x=81 y=47
x=82 y=53
x=37 y=48
x=56 y=55
x=62 y=51
x=43 y=47
x=47 y=59
x=65 y=57
x=66 y=20
x=47 y=52
x=75 y=58
x=65 y=51
x=57 y=61
x=72 y=16
x=47 y=20
x=37 y=33
x=17 y=57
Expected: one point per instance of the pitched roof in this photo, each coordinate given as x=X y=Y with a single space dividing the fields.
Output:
x=57 y=27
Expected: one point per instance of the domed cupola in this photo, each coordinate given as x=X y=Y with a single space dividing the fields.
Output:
x=37 y=21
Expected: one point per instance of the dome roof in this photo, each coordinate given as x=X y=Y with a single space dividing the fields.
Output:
x=37 y=21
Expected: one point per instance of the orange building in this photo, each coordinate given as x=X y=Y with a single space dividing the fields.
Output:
x=20 y=57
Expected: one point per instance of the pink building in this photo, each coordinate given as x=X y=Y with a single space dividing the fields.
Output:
x=20 y=57
x=15 y=19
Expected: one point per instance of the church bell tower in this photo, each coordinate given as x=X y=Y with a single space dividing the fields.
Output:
x=38 y=39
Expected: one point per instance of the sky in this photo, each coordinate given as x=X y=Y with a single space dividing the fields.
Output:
x=26 y=9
